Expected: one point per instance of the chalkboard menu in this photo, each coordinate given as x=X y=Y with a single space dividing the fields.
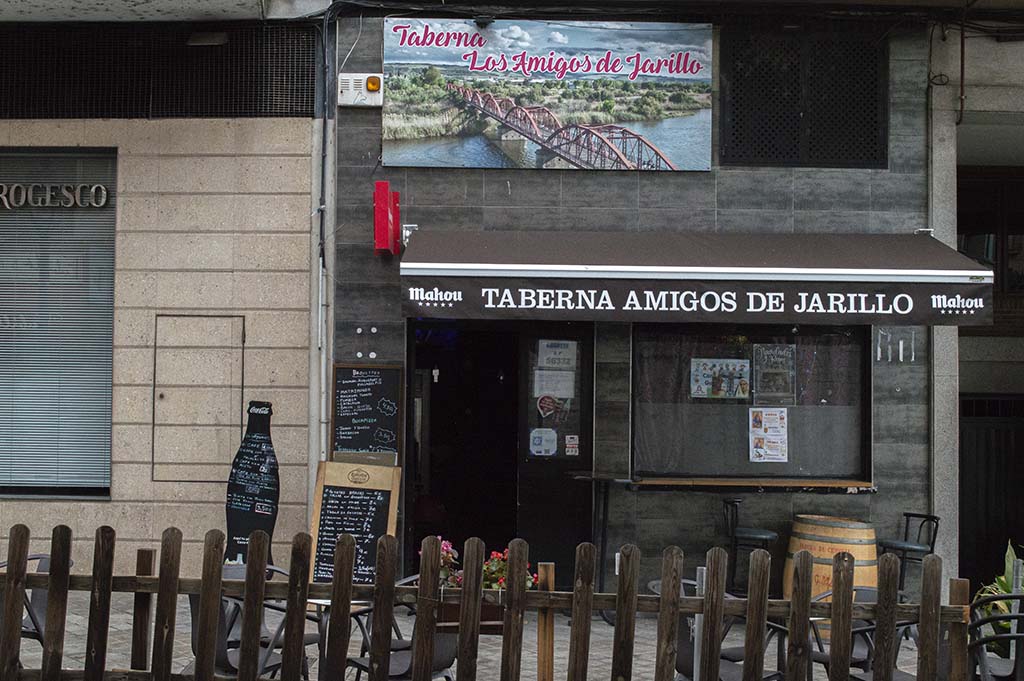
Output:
x=358 y=500
x=367 y=414
x=253 y=486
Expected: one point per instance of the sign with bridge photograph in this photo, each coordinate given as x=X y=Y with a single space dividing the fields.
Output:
x=547 y=94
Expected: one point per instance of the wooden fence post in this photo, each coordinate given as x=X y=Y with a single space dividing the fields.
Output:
x=14 y=604
x=383 y=607
x=99 y=604
x=928 y=629
x=714 y=598
x=625 y=613
x=840 y=641
x=757 y=616
x=339 y=628
x=57 y=603
x=209 y=605
x=512 y=640
x=582 y=607
x=959 y=594
x=668 y=614
x=293 y=654
x=797 y=650
x=252 y=605
x=546 y=626
x=166 y=604
x=886 y=641
x=142 y=611
x=426 y=609
x=469 y=608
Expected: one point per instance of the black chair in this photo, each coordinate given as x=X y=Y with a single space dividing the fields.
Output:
x=1001 y=630
x=226 y=658
x=446 y=647
x=229 y=629
x=33 y=626
x=897 y=674
x=862 y=647
x=916 y=544
x=730 y=666
x=742 y=538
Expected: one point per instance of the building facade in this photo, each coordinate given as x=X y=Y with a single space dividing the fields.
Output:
x=823 y=124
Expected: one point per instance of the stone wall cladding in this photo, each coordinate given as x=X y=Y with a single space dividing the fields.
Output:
x=213 y=218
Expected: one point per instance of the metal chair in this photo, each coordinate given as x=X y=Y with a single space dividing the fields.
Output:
x=446 y=647
x=1006 y=632
x=33 y=626
x=913 y=549
x=742 y=538
x=862 y=648
x=730 y=667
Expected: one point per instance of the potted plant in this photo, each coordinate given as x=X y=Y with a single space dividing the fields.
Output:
x=495 y=574
x=1003 y=584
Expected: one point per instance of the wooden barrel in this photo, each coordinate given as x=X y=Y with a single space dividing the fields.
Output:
x=825 y=536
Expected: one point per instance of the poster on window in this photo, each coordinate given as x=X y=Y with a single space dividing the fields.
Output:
x=774 y=373
x=547 y=94
x=721 y=379
x=769 y=436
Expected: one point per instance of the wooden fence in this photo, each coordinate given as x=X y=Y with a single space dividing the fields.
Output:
x=757 y=609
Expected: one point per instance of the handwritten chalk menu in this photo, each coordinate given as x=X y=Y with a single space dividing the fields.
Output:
x=358 y=500
x=367 y=415
x=253 y=486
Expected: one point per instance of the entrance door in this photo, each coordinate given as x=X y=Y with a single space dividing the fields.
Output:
x=991 y=480
x=555 y=452
x=500 y=425
x=461 y=475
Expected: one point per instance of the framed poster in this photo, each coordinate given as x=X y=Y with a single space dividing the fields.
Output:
x=547 y=94
x=775 y=373
x=719 y=378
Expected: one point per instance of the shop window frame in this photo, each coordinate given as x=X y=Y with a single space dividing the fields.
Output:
x=863 y=483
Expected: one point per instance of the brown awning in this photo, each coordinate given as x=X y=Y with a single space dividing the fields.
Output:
x=765 y=278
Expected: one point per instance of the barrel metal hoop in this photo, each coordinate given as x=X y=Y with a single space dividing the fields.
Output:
x=834 y=540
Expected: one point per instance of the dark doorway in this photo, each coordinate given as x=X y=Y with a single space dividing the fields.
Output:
x=991 y=480
x=463 y=472
x=500 y=437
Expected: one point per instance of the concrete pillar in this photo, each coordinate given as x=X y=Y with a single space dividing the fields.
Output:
x=945 y=397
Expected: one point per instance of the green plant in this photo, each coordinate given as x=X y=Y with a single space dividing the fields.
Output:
x=1003 y=584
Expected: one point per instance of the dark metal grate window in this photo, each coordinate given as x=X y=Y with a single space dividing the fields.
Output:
x=150 y=71
x=802 y=96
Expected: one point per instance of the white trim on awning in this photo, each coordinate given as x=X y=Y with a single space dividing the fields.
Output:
x=567 y=271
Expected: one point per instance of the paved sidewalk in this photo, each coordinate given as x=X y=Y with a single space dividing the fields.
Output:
x=119 y=648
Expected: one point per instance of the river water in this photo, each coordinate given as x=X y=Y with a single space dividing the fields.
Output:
x=686 y=141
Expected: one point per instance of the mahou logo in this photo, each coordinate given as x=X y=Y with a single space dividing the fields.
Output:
x=358 y=476
x=434 y=297
x=957 y=304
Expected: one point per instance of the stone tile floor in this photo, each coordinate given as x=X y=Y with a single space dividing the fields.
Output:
x=119 y=647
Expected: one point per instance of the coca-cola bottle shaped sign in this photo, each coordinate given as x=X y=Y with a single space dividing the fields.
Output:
x=253 y=485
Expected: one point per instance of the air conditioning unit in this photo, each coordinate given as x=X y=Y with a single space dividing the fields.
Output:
x=360 y=89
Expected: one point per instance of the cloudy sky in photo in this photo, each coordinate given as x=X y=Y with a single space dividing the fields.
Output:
x=565 y=38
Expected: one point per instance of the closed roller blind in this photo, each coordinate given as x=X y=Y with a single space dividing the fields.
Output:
x=56 y=328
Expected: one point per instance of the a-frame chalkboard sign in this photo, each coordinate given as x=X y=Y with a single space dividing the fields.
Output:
x=357 y=499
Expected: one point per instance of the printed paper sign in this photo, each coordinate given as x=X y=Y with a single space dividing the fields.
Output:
x=556 y=354
x=721 y=379
x=543 y=442
x=560 y=384
x=539 y=94
x=769 y=436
